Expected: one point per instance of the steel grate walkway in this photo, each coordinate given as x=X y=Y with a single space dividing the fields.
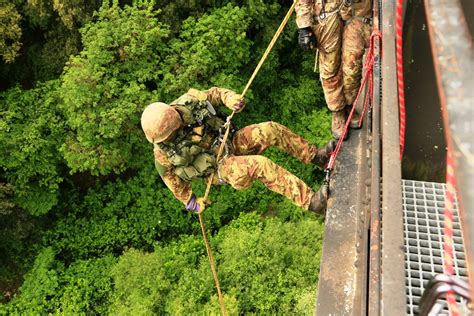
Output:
x=423 y=207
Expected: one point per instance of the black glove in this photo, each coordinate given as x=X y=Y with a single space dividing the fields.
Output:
x=306 y=38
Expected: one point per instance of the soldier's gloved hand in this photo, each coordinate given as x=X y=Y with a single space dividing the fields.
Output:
x=306 y=38
x=195 y=205
x=236 y=102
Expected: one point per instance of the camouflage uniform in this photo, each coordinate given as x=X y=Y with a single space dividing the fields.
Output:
x=244 y=164
x=328 y=32
x=356 y=39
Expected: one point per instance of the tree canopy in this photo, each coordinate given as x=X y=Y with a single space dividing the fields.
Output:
x=87 y=225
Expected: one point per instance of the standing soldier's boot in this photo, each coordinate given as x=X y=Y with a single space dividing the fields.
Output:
x=338 y=122
x=319 y=200
x=355 y=117
x=323 y=154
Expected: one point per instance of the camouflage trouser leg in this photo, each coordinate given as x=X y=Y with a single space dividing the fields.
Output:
x=241 y=171
x=329 y=35
x=355 y=39
x=254 y=139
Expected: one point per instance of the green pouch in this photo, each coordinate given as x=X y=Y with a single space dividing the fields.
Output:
x=187 y=173
x=204 y=163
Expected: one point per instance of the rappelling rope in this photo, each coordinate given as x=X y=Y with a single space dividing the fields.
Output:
x=368 y=77
x=400 y=81
x=448 y=229
x=221 y=150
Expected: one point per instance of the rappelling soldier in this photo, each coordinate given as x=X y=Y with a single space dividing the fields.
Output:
x=320 y=27
x=187 y=133
x=356 y=38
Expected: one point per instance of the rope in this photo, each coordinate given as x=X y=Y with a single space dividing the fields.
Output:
x=401 y=86
x=221 y=149
x=213 y=266
x=448 y=229
x=369 y=67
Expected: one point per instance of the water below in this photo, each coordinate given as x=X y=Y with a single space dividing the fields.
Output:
x=425 y=146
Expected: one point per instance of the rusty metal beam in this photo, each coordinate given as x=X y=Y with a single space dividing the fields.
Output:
x=342 y=277
x=453 y=56
x=373 y=292
x=393 y=299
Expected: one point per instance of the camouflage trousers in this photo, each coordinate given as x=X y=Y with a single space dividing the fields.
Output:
x=355 y=40
x=247 y=165
x=329 y=35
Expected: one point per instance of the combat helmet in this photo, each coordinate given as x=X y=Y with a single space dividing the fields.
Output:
x=159 y=121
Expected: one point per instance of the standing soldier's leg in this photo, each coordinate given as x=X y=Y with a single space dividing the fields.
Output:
x=355 y=39
x=241 y=171
x=255 y=139
x=329 y=33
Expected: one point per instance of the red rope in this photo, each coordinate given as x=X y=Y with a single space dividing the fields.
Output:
x=448 y=229
x=368 y=76
x=401 y=86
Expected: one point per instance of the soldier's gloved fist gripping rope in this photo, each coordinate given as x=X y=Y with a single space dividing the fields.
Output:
x=237 y=102
x=195 y=205
x=306 y=38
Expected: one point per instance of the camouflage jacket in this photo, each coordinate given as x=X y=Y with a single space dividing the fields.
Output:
x=362 y=8
x=192 y=152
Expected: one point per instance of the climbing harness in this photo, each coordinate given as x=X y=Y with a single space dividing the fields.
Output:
x=400 y=81
x=221 y=150
x=368 y=78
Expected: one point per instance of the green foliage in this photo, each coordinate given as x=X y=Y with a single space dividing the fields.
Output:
x=31 y=131
x=51 y=287
x=197 y=57
x=10 y=31
x=103 y=89
x=78 y=160
x=48 y=59
x=260 y=271
x=72 y=13
x=41 y=283
x=18 y=232
x=119 y=214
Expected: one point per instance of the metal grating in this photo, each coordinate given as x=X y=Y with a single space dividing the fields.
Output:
x=423 y=219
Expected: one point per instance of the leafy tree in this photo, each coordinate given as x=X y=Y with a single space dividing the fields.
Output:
x=31 y=130
x=10 y=31
x=104 y=88
x=260 y=271
x=51 y=287
x=197 y=58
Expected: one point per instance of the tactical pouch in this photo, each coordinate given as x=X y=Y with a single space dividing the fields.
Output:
x=203 y=165
x=185 y=156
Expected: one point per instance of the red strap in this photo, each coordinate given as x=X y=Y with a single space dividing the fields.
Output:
x=368 y=77
x=448 y=246
x=401 y=86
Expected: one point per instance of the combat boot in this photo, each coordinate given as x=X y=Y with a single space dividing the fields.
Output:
x=323 y=154
x=338 y=122
x=319 y=200
x=355 y=117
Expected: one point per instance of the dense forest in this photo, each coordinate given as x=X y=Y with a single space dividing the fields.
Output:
x=86 y=224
